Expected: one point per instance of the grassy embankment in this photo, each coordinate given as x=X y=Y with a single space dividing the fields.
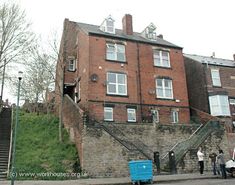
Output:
x=39 y=151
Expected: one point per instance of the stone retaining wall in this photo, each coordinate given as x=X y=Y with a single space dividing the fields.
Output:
x=105 y=156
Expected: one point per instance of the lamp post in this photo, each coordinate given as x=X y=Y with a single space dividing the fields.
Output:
x=13 y=172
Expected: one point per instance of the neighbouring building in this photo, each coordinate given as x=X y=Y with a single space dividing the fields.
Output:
x=118 y=75
x=211 y=85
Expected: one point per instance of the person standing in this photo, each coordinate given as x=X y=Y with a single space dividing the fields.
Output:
x=200 y=156
x=213 y=156
x=221 y=162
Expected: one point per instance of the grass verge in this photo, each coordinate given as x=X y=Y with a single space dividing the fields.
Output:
x=39 y=154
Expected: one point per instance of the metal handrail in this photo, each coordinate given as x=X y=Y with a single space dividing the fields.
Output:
x=183 y=141
x=122 y=141
x=11 y=137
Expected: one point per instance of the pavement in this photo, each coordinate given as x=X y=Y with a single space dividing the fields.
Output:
x=117 y=181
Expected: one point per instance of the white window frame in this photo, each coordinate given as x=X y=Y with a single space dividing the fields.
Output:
x=106 y=27
x=232 y=101
x=161 y=58
x=110 y=28
x=174 y=116
x=117 y=84
x=72 y=64
x=108 y=110
x=155 y=113
x=119 y=49
x=133 y=112
x=215 y=79
x=164 y=88
x=219 y=107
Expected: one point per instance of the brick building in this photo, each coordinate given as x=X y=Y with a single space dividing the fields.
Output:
x=211 y=85
x=117 y=75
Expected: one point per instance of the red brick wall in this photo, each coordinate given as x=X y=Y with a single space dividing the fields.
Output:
x=83 y=67
x=141 y=75
x=73 y=121
x=227 y=84
x=148 y=73
x=196 y=83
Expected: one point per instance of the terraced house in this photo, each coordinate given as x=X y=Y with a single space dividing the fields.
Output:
x=211 y=83
x=118 y=75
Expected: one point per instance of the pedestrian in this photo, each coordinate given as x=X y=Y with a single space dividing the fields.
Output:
x=200 y=156
x=215 y=169
x=221 y=162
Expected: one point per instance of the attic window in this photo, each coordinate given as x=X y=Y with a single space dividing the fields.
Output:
x=108 y=25
x=150 y=32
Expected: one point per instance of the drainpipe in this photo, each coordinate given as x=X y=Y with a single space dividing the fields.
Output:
x=205 y=68
x=139 y=81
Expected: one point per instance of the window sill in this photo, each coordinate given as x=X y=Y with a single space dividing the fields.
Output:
x=109 y=121
x=117 y=95
x=131 y=121
x=165 y=99
x=71 y=70
x=162 y=67
x=116 y=61
x=215 y=86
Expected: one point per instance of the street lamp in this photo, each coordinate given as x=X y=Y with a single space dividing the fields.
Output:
x=13 y=172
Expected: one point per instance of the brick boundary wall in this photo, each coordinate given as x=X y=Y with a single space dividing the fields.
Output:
x=73 y=122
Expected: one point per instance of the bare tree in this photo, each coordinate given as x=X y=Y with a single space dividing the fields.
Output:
x=15 y=35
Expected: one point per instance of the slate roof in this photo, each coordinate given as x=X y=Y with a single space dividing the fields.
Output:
x=94 y=29
x=211 y=60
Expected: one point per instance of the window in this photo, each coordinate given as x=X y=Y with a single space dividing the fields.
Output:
x=232 y=101
x=174 y=116
x=164 y=88
x=115 y=52
x=161 y=58
x=150 y=32
x=155 y=115
x=116 y=84
x=72 y=64
x=108 y=113
x=219 y=105
x=131 y=115
x=108 y=25
x=215 y=77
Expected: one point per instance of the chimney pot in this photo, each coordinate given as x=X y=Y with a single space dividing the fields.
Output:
x=127 y=24
x=160 y=36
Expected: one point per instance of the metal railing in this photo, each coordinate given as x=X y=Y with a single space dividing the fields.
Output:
x=123 y=139
x=11 y=138
x=194 y=141
x=164 y=156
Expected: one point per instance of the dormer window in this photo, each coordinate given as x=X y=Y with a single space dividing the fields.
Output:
x=108 y=25
x=150 y=32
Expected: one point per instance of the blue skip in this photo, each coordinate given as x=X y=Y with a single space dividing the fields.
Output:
x=141 y=171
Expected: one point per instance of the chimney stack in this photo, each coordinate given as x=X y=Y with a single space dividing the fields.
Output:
x=127 y=24
x=160 y=36
x=234 y=57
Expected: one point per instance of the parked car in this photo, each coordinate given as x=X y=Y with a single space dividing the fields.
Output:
x=230 y=165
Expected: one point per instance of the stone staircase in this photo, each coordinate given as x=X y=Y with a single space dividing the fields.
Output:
x=193 y=142
x=5 y=138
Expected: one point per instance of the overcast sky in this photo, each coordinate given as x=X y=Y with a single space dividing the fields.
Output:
x=199 y=26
